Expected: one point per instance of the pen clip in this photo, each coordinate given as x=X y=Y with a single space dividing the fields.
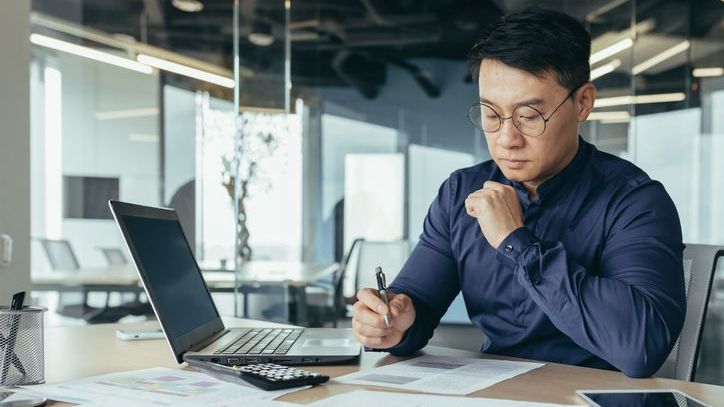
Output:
x=17 y=301
x=381 y=283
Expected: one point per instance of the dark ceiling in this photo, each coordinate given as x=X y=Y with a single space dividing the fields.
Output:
x=352 y=42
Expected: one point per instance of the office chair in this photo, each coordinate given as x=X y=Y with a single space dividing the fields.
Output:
x=699 y=266
x=114 y=256
x=327 y=303
x=60 y=254
x=62 y=258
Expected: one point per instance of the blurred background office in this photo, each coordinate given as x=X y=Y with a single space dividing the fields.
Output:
x=337 y=124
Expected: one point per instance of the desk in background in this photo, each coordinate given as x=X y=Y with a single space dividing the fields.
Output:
x=81 y=351
x=291 y=277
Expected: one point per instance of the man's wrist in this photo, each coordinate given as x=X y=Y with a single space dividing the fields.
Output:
x=514 y=245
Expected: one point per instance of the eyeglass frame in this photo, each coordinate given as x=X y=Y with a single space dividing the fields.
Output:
x=502 y=119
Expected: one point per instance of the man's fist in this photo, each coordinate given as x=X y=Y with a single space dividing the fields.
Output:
x=497 y=209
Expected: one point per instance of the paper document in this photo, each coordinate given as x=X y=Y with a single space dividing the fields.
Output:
x=440 y=374
x=156 y=387
x=365 y=398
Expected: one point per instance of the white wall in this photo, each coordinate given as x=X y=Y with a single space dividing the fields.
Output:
x=15 y=143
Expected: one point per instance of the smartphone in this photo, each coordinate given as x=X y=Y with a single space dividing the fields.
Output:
x=139 y=334
x=636 y=398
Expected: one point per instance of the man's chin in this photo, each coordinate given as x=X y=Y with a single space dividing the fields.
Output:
x=517 y=175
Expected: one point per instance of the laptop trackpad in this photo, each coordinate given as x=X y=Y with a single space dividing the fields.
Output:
x=327 y=343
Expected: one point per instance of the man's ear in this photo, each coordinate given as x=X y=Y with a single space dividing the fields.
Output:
x=584 y=99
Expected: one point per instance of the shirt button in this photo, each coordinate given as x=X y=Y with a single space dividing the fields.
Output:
x=508 y=248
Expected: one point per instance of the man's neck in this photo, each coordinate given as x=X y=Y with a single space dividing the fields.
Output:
x=532 y=189
x=532 y=186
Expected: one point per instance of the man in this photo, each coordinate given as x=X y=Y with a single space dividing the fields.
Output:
x=563 y=253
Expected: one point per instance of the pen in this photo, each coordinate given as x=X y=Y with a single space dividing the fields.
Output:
x=229 y=374
x=9 y=353
x=382 y=291
x=16 y=359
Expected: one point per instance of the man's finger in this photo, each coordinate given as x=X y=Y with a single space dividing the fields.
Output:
x=370 y=331
x=369 y=342
x=493 y=185
x=367 y=316
x=372 y=300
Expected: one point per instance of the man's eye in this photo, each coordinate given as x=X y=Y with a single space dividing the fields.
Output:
x=526 y=118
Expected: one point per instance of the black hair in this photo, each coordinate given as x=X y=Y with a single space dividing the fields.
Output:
x=538 y=41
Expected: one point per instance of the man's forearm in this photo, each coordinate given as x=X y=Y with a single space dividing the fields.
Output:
x=630 y=325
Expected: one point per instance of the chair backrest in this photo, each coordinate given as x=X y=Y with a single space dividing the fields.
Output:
x=699 y=266
x=340 y=277
x=114 y=256
x=60 y=254
x=391 y=256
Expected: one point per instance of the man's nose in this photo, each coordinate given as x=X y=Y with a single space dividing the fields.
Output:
x=509 y=136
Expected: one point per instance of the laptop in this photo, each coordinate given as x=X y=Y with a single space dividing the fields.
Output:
x=189 y=319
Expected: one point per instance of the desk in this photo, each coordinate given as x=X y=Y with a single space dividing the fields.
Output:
x=80 y=351
x=292 y=277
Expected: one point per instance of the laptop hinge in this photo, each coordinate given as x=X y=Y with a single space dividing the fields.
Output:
x=208 y=341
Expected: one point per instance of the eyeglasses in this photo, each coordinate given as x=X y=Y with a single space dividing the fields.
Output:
x=527 y=119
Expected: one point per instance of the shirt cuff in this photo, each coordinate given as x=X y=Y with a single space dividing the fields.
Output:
x=511 y=249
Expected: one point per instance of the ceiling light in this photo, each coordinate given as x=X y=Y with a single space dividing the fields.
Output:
x=593 y=15
x=706 y=72
x=608 y=116
x=186 y=71
x=89 y=53
x=611 y=50
x=189 y=6
x=605 y=69
x=659 y=58
x=127 y=113
x=261 y=34
x=640 y=99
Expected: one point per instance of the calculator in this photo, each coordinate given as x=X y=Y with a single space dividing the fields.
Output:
x=270 y=376
x=266 y=376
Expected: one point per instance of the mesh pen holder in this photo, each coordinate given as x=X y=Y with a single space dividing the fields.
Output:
x=22 y=361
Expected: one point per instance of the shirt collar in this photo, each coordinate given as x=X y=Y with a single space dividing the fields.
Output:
x=547 y=189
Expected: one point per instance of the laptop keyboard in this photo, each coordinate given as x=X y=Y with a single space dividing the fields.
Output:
x=262 y=341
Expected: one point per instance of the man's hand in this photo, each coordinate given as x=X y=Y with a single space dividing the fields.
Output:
x=497 y=209
x=368 y=322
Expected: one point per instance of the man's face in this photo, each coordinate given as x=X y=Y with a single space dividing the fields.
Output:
x=531 y=160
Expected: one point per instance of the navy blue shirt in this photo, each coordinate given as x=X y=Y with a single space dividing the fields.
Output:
x=594 y=278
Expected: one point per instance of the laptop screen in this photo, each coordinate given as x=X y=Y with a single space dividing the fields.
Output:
x=172 y=274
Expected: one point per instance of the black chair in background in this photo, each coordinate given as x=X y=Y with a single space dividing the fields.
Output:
x=329 y=304
x=699 y=266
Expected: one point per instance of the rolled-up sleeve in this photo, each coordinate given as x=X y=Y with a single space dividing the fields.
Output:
x=430 y=274
x=630 y=310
